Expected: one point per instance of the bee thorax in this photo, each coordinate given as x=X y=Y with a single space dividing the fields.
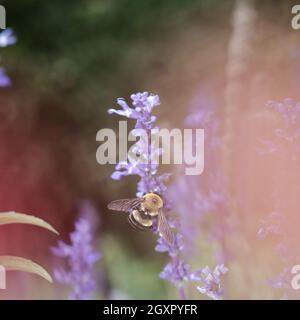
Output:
x=152 y=202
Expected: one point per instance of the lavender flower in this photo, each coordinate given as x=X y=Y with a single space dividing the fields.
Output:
x=271 y=225
x=7 y=38
x=211 y=281
x=177 y=271
x=81 y=257
x=285 y=146
x=282 y=281
x=141 y=111
x=4 y=79
x=207 y=201
x=288 y=109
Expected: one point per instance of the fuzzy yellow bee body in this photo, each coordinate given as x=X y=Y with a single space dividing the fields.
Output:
x=144 y=213
x=152 y=203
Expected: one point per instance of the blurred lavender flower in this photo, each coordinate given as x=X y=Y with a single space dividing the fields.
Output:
x=286 y=149
x=211 y=282
x=177 y=270
x=203 y=115
x=287 y=134
x=282 y=281
x=81 y=257
x=4 y=79
x=7 y=38
x=289 y=111
x=207 y=201
x=271 y=225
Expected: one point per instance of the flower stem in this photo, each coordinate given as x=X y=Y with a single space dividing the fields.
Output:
x=181 y=293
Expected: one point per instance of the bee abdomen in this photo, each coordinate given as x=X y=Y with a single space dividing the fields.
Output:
x=134 y=224
x=139 y=221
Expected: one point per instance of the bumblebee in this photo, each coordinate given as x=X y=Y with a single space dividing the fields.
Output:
x=145 y=213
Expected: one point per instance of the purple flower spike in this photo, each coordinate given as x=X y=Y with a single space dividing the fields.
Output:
x=282 y=223
x=142 y=106
x=177 y=270
x=7 y=38
x=211 y=282
x=81 y=257
x=288 y=109
x=4 y=79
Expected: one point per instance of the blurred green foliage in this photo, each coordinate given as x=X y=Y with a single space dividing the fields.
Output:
x=78 y=55
x=136 y=277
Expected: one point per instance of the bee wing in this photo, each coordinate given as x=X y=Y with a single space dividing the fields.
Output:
x=164 y=228
x=124 y=204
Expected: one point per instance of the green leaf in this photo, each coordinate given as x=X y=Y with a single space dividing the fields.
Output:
x=21 y=264
x=14 y=217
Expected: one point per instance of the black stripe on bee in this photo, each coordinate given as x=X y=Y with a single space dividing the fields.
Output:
x=141 y=220
x=135 y=224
